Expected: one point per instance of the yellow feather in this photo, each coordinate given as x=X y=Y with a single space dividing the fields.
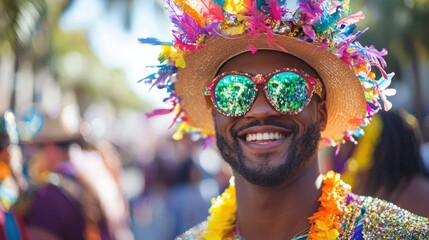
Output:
x=187 y=8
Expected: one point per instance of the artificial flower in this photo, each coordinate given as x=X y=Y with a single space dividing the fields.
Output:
x=325 y=223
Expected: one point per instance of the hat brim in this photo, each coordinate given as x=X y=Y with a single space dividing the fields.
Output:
x=345 y=100
x=56 y=131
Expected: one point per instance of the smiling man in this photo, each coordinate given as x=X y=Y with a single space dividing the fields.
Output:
x=274 y=81
x=264 y=145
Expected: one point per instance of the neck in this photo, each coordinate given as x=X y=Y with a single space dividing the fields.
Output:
x=278 y=212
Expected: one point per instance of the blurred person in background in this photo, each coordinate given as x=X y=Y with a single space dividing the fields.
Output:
x=71 y=188
x=184 y=199
x=171 y=200
x=386 y=163
x=100 y=166
x=11 y=180
x=149 y=214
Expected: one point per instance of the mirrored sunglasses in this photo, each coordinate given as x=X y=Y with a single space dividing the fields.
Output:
x=288 y=91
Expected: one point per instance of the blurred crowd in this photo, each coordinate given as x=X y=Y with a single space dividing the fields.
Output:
x=61 y=185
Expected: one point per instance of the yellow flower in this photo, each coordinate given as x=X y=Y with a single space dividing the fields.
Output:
x=222 y=214
x=234 y=30
x=332 y=234
x=184 y=128
x=322 y=225
x=325 y=223
x=173 y=54
x=234 y=6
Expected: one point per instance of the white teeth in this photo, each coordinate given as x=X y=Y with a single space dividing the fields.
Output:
x=264 y=136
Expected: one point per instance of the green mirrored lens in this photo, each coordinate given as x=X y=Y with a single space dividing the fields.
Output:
x=234 y=94
x=288 y=91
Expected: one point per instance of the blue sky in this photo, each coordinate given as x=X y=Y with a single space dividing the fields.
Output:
x=117 y=47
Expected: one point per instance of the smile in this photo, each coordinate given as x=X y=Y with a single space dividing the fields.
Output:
x=264 y=136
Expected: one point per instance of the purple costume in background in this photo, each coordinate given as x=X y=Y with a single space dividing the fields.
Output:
x=53 y=210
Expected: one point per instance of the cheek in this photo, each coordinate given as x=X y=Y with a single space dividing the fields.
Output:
x=223 y=124
x=307 y=117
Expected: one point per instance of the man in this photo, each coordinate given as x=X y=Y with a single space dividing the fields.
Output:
x=62 y=205
x=272 y=84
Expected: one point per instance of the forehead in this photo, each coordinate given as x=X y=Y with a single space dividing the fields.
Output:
x=265 y=61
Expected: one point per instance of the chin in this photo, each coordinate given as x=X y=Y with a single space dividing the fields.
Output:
x=264 y=168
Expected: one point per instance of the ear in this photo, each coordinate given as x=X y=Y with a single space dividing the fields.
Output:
x=322 y=114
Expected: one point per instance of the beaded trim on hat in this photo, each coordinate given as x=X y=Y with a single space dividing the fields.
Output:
x=328 y=24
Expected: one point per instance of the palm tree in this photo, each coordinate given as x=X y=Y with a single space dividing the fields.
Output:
x=30 y=29
x=21 y=21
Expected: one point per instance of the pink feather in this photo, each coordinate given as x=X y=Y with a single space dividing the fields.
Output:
x=183 y=45
x=255 y=19
x=352 y=19
x=160 y=111
x=211 y=11
x=252 y=48
x=256 y=24
x=275 y=10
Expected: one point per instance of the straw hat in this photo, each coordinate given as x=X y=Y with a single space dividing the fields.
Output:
x=344 y=95
x=58 y=130
x=208 y=33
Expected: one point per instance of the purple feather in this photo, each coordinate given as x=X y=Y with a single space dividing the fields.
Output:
x=312 y=9
x=158 y=112
x=191 y=29
x=374 y=56
x=187 y=29
x=161 y=78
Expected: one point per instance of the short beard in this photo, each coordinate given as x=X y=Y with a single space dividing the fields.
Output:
x=301 y=150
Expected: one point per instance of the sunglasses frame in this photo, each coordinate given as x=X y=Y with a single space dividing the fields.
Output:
x=314 y=86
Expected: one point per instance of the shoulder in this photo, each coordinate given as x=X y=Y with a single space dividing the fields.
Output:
x=195 y=233
x=415 y=196
x=370 y=217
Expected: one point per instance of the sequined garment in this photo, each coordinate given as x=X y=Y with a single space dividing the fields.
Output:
x=366 y=218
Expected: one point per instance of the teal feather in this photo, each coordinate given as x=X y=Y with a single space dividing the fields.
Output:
x=154 y=41
x=219 y=2
x=261 y=3
x=329 y=21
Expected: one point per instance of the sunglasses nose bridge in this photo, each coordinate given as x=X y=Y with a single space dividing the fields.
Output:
x=259 y=79
x=261 y=108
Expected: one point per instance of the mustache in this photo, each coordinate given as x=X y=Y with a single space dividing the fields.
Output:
x=263 y=122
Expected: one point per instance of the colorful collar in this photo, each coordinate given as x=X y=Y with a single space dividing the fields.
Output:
x=324 y=224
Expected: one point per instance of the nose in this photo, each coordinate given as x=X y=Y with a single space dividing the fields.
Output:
x=261 y=107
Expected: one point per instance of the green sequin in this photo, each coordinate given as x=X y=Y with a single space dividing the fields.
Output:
x=234 y=94
x=288 y=91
